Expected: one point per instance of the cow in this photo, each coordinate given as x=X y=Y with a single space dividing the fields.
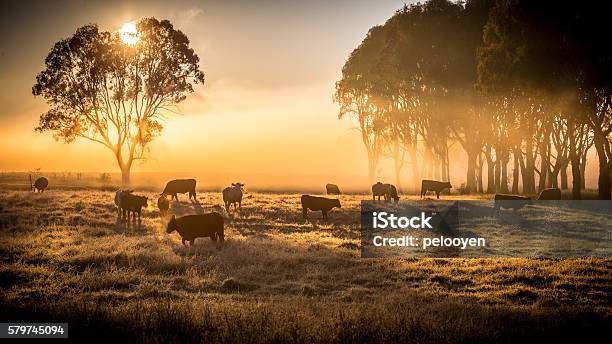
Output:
x=191 y=227
x=315 y=203
x=163 y=204
x=513 y=202
x=132 y=205
x=550 y=194
x=434 y=185
x=332 y=189
x=39 y=185
x=388 y=191
x=118 y=195
x=177 y=186
x=233 y=195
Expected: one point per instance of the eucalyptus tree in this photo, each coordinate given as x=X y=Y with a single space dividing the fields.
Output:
x=545 y=47
x=115 y=91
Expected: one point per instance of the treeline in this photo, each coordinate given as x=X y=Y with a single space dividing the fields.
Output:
x=523 y=87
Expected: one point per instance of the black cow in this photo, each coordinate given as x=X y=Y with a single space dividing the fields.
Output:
x=191 y=227
x=163 y=204
x=434 y=185
x=514 y=202
x=332 y=189
x=550 y=194
x=132 y=205
x=388 y=191
x=180 y=186
x=39 y=185
x=315 y=203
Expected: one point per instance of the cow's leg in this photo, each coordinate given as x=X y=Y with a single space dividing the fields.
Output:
x=227 y=205
x=175 y=196
x=183 y=240
x=304 y=212
x=438 y=194
x=324 y=215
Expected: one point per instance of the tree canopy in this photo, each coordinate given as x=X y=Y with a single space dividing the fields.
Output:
x=520 y=79
x=102 y=89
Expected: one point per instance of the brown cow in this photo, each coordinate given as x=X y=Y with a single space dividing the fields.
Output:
x=434 y=185
x=318 y=204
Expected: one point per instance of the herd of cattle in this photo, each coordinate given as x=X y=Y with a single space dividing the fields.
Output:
x=190 y=227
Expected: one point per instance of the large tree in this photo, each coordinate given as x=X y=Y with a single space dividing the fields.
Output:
x=558 y=50
x=116 y=91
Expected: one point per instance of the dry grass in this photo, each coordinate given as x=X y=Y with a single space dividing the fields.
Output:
x=278 y=278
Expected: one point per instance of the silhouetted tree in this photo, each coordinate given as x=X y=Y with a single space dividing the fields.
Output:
x=556 y=48
x=107 y=91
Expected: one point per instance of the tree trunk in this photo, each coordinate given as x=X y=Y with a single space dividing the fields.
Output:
x=498 y=172
x=574 y=160
x=583 y=164
x=415 y=168
x=564 y=177
x=480 y=185
x=515 y=175
x=503 y=186
x=544 y=165
x=125 y=176
x=604 y=171
x=471 y=173
x=436 y=166
x=553 y=179
x=490 y=171
x=529 y=174
x=371 y=170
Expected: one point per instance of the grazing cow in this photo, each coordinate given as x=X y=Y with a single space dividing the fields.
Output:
x=39 y=185
x=163 y=204
x=233 y=195
x=132 y=205
x=180 y=186
x=315 y=203
x=434 y=185
x=513 y=202
x=332 y=189
x=191 y=227
x=550 y=194
x=388 y=191
x=118 y=196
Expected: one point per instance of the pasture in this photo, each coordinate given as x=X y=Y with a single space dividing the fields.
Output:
x=277 y=278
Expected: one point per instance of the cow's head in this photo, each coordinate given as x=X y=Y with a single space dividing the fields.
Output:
x=142 y=201
x=238 y=185
x=448 y=185
x=172 y=225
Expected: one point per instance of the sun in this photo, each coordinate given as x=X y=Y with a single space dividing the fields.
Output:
x=129 y=34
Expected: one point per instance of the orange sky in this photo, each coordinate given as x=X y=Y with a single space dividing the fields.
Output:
x=266 y=106
x=265 y=113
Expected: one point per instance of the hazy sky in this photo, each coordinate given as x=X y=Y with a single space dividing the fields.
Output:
x=266 y=106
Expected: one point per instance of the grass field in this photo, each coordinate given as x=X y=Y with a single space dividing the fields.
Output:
x=277 y=278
